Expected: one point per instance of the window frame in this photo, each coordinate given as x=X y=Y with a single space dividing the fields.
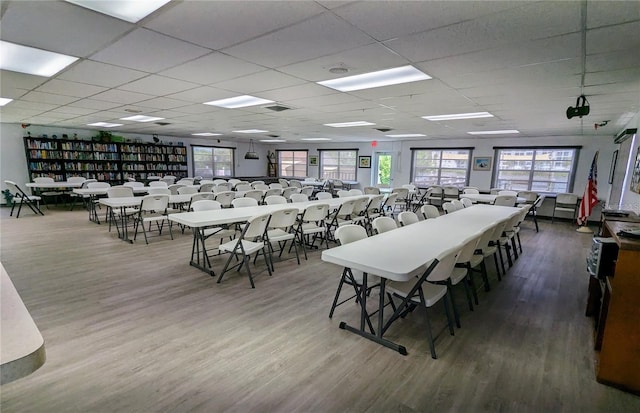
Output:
x=323 y=152
x=414 y=152
x=279 y=162
x=212 y=165
x=532 y=170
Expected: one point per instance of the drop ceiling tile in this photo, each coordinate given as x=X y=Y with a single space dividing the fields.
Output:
x=163 y=103
x=15 y=80
x=613 y=76
x=201 y=95
x=95 y=104
x=212 y=68
x=32 y=105
x=59 y=27
x=158 y=85
x=257 y=82
x=609 y=39
x=100 y=74
x=148 y=51
x=604 y=13
x=51 y=98
x=612 y=61
x=72 y=110
x=325 y=32
x=195 y=109
x=296 y=92
x=66 y=88
x=121 y=96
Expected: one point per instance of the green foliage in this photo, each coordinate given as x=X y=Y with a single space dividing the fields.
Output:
x=384 y=169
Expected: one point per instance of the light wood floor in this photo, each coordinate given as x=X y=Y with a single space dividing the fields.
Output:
x=134 y=328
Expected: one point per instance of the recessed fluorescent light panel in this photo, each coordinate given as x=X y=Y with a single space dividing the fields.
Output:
x=315 y=139
x=272 y=140
x=238 y=102
x=395 y=76
x=4 y=101
x=457 y=116
x=129 y=10
x=406 y=135
x=32 y=61
x=349 y=124
x=105 y=124
x=141 y=118
x=495 y=132
x=251 y=131
x=206 y=134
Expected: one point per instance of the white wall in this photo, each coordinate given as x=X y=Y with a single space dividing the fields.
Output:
x=631 y=200
x=13 y=161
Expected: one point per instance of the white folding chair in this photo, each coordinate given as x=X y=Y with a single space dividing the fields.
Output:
x=429 y=211
x=19 y=197
x=153 y=208
x=282 y=229
x=275 y=199
x=384 y=224
x=312 y=222
x=298 y=198
x=407 y=218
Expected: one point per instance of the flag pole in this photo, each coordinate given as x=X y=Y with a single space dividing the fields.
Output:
x=590 y=197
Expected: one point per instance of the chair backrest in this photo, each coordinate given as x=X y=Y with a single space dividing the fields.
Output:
x=43 y=180
x=256 y=226
x=15 y=189
x=346 y=208
x=186 y=190
x=206 y=181
x=283 y=182
x=262 y=187
x=219 y=181
x=507 y=192
x=225 y=198
x=410 y=187
x=159 y=190
x=458 y=204
x=444 y=267
x=375 y=203
x=234 y=182
x=295 y=183
x=120 y=192
x=284 y=218
x=186 y=181
x=275 y=185
x=494 y=191
x=174 y=188
x=337 y=183
x=273 y=191
x=403 y=193
x=505 y=200
x=244 y=202
x=158 y=183
x=384 y=224
x=255 y=194
x=355 y=192
x=390 y=200
x=371 y=190
x=469 y=247
x=486 y=238
x=86 y=183
x=324 y=195
x=275 y=199
x=307 y=190
x=448 y=207
x=360 y=206
x=168 y=179
x=299 y=198
x=566 y=199
x=286 y=192
x=133 y=184
x=207 y=187
x=407 y=218
x=76 y=179
x=156 y=202
x=539 y=201
x=466 y=202
x=350 y=233
x=98 y=185
x=470 y=191
x=315 y=212
x=153 y=178
x=202 y=196
x=436 y=191
x=429 y=211
x=343 y=193
x=254 y=183
x=529 y=196
x=451 y=192
x=244 y=187
x=222 y=187
x=205 y=205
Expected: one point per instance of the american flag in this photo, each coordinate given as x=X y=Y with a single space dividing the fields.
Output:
x=590 y=197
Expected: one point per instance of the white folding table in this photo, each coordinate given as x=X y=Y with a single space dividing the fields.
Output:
x=93 y=193
x=400 y=254
x=487 y=198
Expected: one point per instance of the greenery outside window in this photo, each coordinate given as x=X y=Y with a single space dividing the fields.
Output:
x=211 y=161
x=292 y=164
x=444 y=167
x=536 y=169
x=339 y=164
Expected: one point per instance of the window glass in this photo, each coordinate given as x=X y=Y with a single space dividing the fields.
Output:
x=446 y=167
x=209 y=161
x=292 y=164
x=540 y=170
x=338 y=165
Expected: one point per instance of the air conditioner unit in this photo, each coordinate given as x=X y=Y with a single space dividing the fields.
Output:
x=624 y=135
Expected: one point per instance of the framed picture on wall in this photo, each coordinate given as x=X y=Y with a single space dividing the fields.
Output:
x=313 y=160
x=614 y=161
x=635 y=175
x=482 y=163
x=364 y=162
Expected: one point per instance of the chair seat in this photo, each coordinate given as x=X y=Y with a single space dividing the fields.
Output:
x=489 y=251
x=476 y=260
x=154 y=217
x=458 y=274
x=311 y=228
x=563 y=209
x=432 y=292
x=249 y=246
x=18 y=200
x=277 y=235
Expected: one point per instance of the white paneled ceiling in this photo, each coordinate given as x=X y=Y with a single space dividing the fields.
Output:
x=520 y=60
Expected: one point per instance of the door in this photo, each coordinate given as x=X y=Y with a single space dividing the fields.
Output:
x=383 y=176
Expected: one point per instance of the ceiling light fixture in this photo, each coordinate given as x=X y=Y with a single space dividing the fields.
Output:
x=250 y=131
x=349 y=124
x=238 y=102
x=4 y=101
x=105 y=124
x=141 y=118
x=494 y=132
x=406 y=135
x=315 y=139
x=131 y=11
x=272 y=140
x=395 y=76
x=206 y=134
x=457 y=116
x=32 y=61
x=251 y=153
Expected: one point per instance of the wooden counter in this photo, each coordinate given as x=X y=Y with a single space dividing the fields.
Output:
x=619 y=356
x=21 y=344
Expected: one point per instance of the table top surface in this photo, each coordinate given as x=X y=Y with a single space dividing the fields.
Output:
x=59 y=184
x=137 y=200
x=103 y=191
x=397 y=254
x=489 y=198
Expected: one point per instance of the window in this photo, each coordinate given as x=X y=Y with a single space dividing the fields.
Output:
x=292 y=164
x=535 y=169
x=339 y=164
x=446 y=167
x=211 y=161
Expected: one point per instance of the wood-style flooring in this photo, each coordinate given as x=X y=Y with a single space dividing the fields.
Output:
x=134 y=328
